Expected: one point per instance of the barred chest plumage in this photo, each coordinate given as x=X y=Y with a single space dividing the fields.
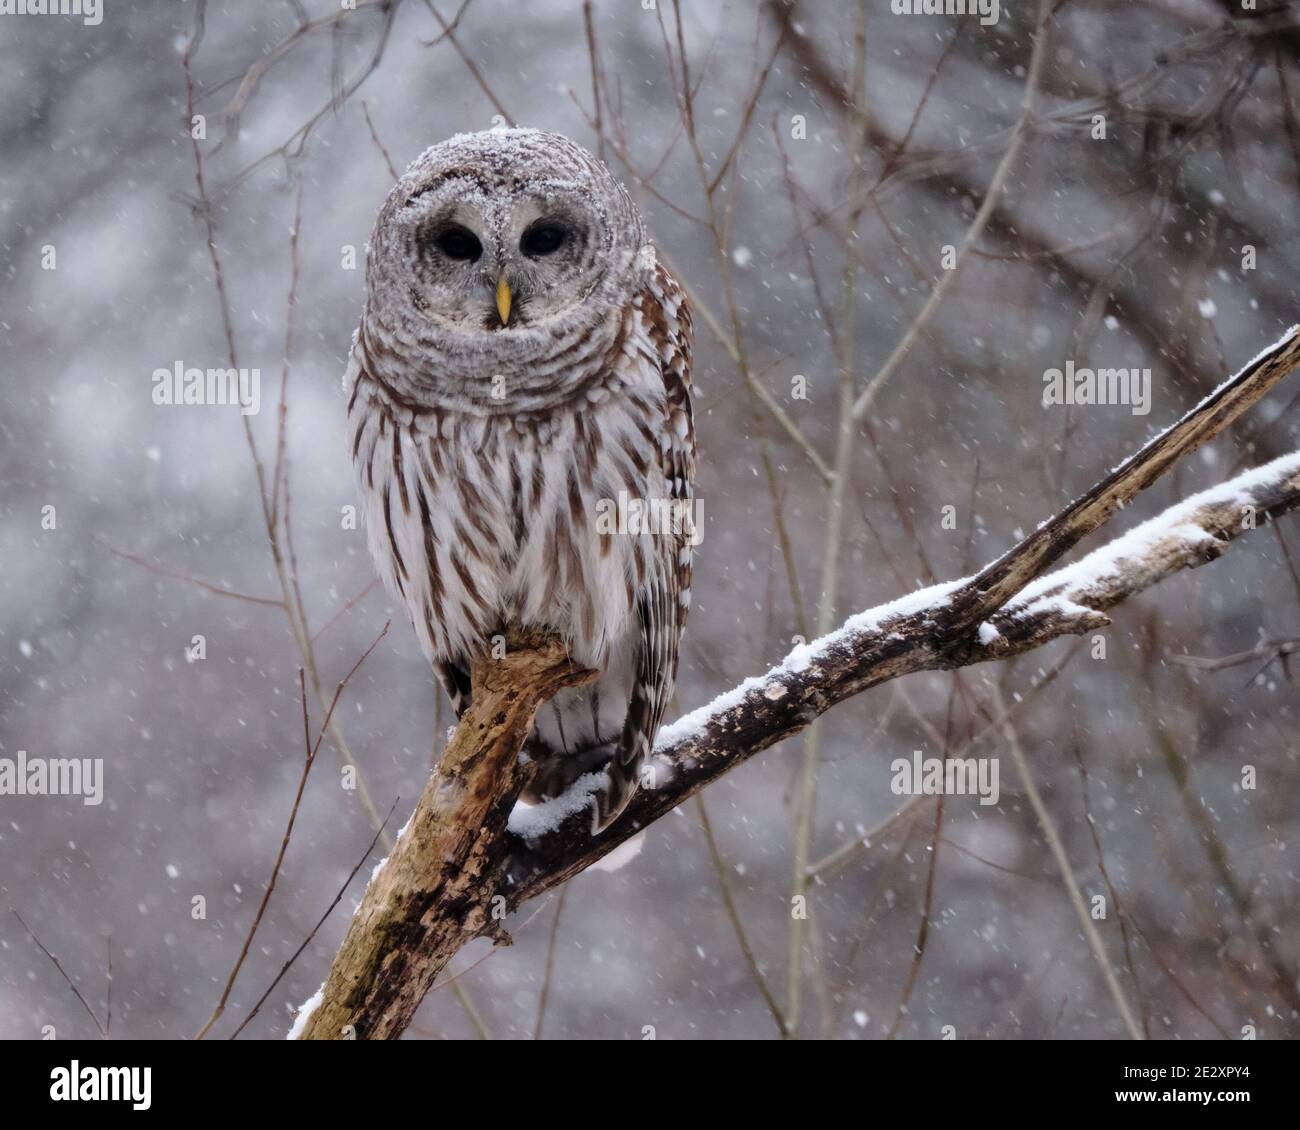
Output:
x=522 y=372
x=483 y=514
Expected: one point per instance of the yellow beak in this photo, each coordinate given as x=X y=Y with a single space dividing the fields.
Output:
x=503 y=300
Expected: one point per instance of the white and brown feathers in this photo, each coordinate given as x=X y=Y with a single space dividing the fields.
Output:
x=484 y=450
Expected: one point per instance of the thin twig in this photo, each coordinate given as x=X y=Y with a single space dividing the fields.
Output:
x=923 y=929
x=1121 y=911
x=108 y=991
x=345 y=609
x=1057 y=848
x=832 y=541
x=544 y=995
x=729 y=904
x=207 y=586
x=103 y=1032
x=854 y=847
x=290 y=319
x=392 y=169
x=309 y=759
x=976 y=229
x=319 y=923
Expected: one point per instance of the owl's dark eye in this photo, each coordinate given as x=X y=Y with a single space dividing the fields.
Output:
x=542 y=239
x=456 y=242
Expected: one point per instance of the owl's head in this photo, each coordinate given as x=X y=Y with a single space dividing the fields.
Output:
x=512 y=232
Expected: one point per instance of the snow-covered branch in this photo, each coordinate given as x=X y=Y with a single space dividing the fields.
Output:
x=466 y=859
x=896 y=639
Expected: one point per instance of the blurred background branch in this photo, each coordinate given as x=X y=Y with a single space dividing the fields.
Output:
x=1148 y=221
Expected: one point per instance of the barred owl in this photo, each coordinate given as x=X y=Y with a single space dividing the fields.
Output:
x=522 y=369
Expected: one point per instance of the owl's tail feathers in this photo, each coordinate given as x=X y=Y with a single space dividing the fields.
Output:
x=622 y=779
x=627 y=770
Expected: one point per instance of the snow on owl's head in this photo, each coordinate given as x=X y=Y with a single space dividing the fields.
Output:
x=504 y=235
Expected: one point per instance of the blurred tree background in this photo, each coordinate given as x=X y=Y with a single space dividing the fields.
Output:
x=810 y=170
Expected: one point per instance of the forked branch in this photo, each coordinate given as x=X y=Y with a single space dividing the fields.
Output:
x=464 y=860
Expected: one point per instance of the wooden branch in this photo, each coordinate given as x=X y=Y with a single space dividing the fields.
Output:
x=998 y=582
x=435 y=892
x=898 y=639
x=466 y=859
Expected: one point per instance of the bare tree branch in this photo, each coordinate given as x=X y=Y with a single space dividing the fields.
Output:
x=316 y=929
x=103 y=1031
x=1057 y=848
x=435 y=892
x=455 y=872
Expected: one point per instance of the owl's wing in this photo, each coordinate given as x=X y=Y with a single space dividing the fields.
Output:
x=664 y=317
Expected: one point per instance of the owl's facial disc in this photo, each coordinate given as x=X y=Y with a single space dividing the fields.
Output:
x=500 y=240
x=487 y=263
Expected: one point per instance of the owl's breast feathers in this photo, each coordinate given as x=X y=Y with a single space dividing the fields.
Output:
x=476 y=519
x=480 y=519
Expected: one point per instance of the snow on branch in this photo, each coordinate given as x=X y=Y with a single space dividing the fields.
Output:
x=896 y=639
x=467 y=858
